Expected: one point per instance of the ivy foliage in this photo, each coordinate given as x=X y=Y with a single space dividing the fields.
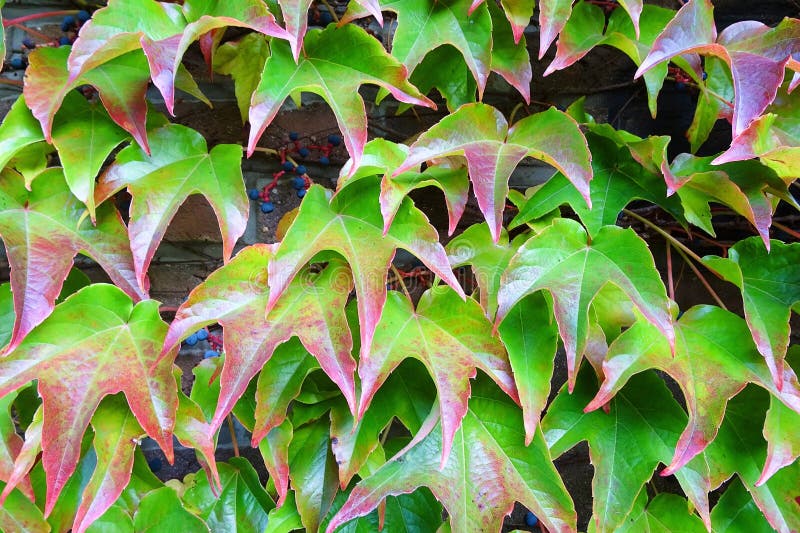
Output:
x=371 y=407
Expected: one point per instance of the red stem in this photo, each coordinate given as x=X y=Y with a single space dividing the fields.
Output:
x=36 y=16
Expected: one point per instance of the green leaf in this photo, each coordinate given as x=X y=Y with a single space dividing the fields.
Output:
x=20 y=515
x=351 y=226
x=481 y=134
x=423 y=26
x=618 y=180
x=663 y=514
x=770 y=287
x=736 y=512
x=18 y=130
x=106 y=345
x=179 y=165
x=274 y=450
x=284 y=518
x=417 y=511
x=243 y=60
x=451 y=336
x=490 y=469
x=312 y=470
x=626 y=444
x=714 y=358
x=312 y=308
x=241 y=504
x=563 y=260
x=444 y=69
x=161 y=510
x=330 y=69
x=43 y=229
x=713 y=102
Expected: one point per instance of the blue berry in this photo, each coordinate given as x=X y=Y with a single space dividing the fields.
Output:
x=304 y=152
x=301 y=193
x=17 y=62
x=191 y=340
x=202 y=334
x=64 y=41
x=324 y=160
x=210 y=353
x=287 y=166
x=28 y=43
x=301 y=169
x=325 y=18
x=267 y=207
x=530 y=519
x=705 y=75
x=154 y=464
x=334 y=140
x=253 y=194
x=293 y=136
x=299 y=183
x=83 y=16
x=68 y=23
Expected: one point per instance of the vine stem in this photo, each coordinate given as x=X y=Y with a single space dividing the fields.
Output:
x=232 y=431
x=670 y=281
x=36 y=16
x=265 y=150
x=31 y=31
x=786 y=229
x=334 y=16
x=399 y=277
x=702 y=279
x=16 y=83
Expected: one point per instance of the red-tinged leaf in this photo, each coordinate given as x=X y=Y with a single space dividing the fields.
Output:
x=553 y=15
x=478 y=485
x=107 y=345
x=347 y=224
x=243 y=60
x=330 y=69
x=518 y=13
x=451 y=336
x=783 y=442
x=582 y=32
x=770 y=286
x=618 y=179
x=274 y=448
x=423 y=26
x=21 y=515
x=26 y=457
x=626 y=444
x=116 y=433
x=43 y=230
x=295 y=18
x=19 y=130
x=510 y=58
x=312 y=470
x=10 y=447
x=755 y=54
x=740 y=448
x=562 y=260
x=714 y=102
x=481 y=134
x=179 y=165
x=312 y=308
x=404 y=396
x=736 y=511
x=714 y=359
x=193 y=431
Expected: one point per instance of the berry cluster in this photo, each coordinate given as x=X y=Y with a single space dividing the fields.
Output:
x=214 y=342
x=300 y=180
x=70 y=25
x=681 y=78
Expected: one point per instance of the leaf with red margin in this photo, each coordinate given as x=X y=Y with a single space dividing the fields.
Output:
x=21 y=515
x=163 y=32
x=106 y=345
x=180 y=164
x=770 y=286
x=740 y=449
x=116 y=434
x=510 y=58
x=481 y=134
x=625 y=445
x=330 y=69
x=295 y=18
x=121 y=84
x=10 y=443
x=312 y=309
x=517 y=12
x=755 y=53
x=479 y=483
x=423 y=26
x=783 y=441
x=561 y=260
x=714 y=360
x=312 y=470
x=43 y=229
x=452 y=337
x=350 y=225
x=274 y=448
x=27 y=456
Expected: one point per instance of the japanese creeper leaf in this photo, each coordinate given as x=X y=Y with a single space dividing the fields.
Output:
x=714 y=359
x=736 y=512
x=423 y=25
x=163 y=32
x=510 y=58
x=18 y=130
x=330 y=69
x=106 y=345
x=312 y=470
x=755 y=53
x=573 y=268
x=10 y=444
x=490 y=468
x=236 y=296
x=121 y=84
x=274 y=448
x=770 y=285
x=351 y=225
x=243 y=60
x=26 y=457
x=179 y=164
x=625 y=445
x=663 y=514
x=43 y=229
x=444 y=69
x=162 y=510
x=783 y=442
x=21 y=515
x=481 y=134
x=739 y=449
